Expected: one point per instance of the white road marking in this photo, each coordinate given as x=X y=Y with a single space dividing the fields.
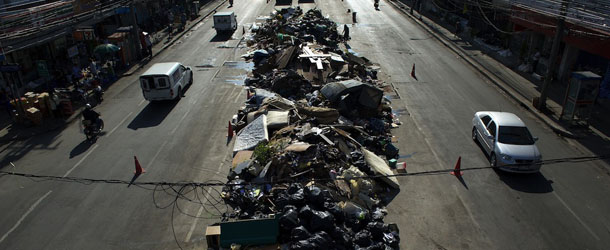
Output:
x=156 y=154
x=25 y=215
x=207 y=196
x=576 y=216
x=231 y=94
x=118 y=125
x=190 y=233
x=236 y=97
x=81 y=161
x=140 y=104
x=180 y=122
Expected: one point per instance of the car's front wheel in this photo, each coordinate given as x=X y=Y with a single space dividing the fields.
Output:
x=493 y=161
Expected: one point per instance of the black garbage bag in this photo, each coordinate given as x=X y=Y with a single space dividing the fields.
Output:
x=302 y=245
x=392 y=239
x=377 y=246
x=363 y=238
x=305 y=213
x=335 y=210
x=299 y=233
x=321 y=220
x=281 y=200
x=341 y=236
x=317 y=196
x=377 y=229
x=378 y=215
x=321 y=240
x=289 y=220
x=296 y=194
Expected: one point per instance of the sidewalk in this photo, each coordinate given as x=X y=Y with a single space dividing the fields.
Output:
x=520 y=86
x=10 y=131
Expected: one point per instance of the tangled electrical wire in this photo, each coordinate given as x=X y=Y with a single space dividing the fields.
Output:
x=208 y=195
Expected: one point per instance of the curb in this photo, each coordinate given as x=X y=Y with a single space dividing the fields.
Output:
x=139 y=65
x=490 y=76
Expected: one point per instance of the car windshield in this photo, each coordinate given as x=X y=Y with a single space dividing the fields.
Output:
x=515 y=135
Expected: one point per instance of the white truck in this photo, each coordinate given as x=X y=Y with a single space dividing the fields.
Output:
x=225 y=21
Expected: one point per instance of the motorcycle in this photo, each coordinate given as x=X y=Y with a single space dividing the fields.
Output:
x=92 y=130
x=98 y=93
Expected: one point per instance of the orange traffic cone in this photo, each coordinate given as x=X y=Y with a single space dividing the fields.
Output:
x=230 y=131
x=139 y=169
x=457 y=171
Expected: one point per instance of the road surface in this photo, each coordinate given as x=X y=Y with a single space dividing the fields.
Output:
x=563 y=207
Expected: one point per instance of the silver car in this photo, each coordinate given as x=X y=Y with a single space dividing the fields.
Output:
x=507 y=141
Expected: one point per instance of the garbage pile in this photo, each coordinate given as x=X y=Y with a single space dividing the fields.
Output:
x=313 y=144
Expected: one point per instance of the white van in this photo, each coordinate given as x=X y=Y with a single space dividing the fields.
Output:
x=225 y=21
x=165 y=81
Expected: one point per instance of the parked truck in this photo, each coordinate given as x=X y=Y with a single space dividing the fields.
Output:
x=225 y=22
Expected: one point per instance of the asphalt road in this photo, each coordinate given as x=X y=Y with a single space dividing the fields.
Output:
x=563 y=207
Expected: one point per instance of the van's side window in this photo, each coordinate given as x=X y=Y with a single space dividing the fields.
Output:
x=176 y=76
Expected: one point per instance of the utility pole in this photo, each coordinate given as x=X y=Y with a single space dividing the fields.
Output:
x=135 y=28
x=541 y=105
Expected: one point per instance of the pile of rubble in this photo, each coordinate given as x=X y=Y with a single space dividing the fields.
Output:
x=314 y=145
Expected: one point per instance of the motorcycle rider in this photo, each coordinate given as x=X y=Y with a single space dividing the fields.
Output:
x=99 y=92
x=93 y=117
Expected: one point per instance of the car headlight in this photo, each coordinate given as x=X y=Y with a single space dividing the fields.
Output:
x=506 y=158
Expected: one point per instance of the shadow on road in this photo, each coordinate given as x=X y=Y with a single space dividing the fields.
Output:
x=80 y=148
x=152 y=115
x=222 y=36
x=528 y=183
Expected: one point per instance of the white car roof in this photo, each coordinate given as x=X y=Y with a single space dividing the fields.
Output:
x=228 y=13
x=165 y=68
x=504 y=118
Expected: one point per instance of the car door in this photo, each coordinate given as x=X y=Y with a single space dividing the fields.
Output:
x=185 y=74
x=490 y=136
x=481 y=127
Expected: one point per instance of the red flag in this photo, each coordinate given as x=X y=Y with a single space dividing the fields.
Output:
x=413 y=72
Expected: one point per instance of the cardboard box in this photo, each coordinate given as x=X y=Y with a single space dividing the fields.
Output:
x=212 y=236
x=34 y=115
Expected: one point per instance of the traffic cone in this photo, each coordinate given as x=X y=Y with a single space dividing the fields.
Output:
x=413 y=72
x=230 y=131
x=139 y=169
x=457 y=171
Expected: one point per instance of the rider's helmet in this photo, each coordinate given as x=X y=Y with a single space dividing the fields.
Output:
x=88 y=106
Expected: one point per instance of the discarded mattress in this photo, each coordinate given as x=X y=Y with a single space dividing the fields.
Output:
x=277 y=119
x=252 y=134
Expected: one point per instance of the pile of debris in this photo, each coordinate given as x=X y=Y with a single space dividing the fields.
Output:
x=314 y=146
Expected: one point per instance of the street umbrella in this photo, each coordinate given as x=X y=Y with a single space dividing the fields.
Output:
x=106 y=49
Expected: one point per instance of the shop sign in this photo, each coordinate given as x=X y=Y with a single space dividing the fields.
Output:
x=41 y=67
x=84 y=35
x=72 y=51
